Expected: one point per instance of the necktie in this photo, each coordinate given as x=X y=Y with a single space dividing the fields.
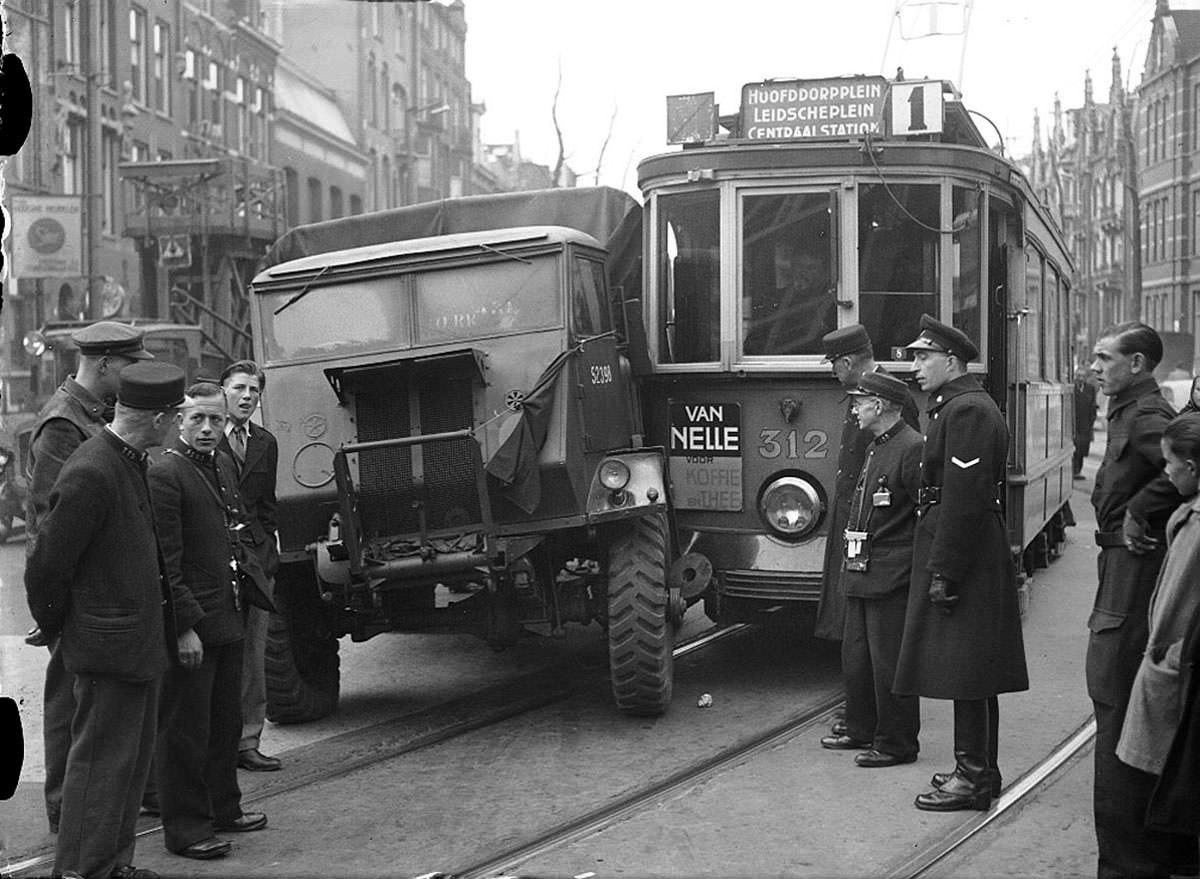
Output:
x=237 y=442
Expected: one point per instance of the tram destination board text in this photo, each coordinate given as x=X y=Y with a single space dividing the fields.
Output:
x=813 y=109
x=706 y=456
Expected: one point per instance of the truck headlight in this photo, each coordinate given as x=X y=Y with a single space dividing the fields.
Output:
x=614 y=474
x=790 y=506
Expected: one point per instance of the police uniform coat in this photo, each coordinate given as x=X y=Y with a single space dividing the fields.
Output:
x=976 y=651
x=71 y=415
x=831 y=610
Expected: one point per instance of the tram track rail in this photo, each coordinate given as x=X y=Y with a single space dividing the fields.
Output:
x=506 y=863
x=404 y=735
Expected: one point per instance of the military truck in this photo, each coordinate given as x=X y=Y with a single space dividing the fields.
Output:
x=460 y=442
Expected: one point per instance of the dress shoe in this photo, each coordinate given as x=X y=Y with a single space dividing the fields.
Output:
x=940 y=778
x=245 y=823
x=206 y=849
x=874 y=759
x=256 y=761
x=129 y=871
x=843 y=743
x=955 y=795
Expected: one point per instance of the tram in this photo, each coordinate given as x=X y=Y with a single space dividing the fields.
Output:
x=820 y=204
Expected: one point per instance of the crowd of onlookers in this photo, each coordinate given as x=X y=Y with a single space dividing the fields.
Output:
x=151 y=583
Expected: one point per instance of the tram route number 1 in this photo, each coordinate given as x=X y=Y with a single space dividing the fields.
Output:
x=706 y=456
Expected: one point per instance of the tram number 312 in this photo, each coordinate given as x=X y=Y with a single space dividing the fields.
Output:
x=772 y=444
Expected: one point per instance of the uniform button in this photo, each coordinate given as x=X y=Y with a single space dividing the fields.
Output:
x=935 y=415
x=939 y=398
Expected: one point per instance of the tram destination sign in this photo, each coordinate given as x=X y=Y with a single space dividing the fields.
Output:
x=705 y=456
x=813 y=109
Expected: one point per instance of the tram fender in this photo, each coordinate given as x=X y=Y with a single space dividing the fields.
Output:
x=690 y=574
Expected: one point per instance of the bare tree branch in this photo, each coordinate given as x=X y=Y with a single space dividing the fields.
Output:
x=604 y=146
x=558 y=166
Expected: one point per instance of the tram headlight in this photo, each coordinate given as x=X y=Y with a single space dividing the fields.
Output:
x=614 y=474
x=790 y=506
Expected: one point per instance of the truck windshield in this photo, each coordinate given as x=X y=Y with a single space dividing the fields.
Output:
x=417 y=308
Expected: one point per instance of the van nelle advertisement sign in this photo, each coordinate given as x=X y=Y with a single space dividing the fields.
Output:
x=813 y=109
x=47 y=239
x=705 y=456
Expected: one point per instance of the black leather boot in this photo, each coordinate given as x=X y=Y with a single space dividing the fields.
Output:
x=970 y=785
x=940 y=778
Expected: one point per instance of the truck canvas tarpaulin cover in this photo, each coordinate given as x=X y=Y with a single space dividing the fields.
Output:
x=609 y=215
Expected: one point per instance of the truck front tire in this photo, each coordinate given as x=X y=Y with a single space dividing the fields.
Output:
x=303 y=668
x=641 y=637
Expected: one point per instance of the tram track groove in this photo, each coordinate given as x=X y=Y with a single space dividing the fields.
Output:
x=369 y=745
x=628 y=805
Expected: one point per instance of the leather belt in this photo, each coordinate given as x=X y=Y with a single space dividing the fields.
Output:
x=1106 y=539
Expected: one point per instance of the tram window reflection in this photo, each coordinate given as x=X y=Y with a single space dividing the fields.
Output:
x=967 y=306
x=789 y=291
x=689 y=277
x=898 y=232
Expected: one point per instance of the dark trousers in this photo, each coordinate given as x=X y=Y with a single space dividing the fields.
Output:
x=1127 y=850
x=870 y=651
x=1081 y=452
x=58 y=711
x=196 y=760
x=112 y=739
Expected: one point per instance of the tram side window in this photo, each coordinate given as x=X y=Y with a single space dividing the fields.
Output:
x=1030 y=327
x=968 y=262
x=898 y=231
x=789 y=287
x=689 y=277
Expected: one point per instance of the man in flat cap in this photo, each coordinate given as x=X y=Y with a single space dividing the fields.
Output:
x=962 y=631
x=93 y=581
x=77 y=410
x=875 y=572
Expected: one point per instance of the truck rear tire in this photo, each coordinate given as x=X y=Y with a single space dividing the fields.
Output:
x=303 y=667
x=641 y=638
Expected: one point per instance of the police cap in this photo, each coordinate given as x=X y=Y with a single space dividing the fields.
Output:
x=843 y=341
x=108 y=337
x=937 y=336
x=151 y=385
x=880 y=384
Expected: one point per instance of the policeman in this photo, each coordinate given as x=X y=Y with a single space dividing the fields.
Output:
x=1133 y=500
x=77 y=410
x=962 y=630
x=875 y=573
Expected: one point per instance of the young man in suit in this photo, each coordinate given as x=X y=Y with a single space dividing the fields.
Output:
x=256 y=453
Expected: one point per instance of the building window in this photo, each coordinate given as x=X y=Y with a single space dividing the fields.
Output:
x=161 y=96
x=291 y=181
x=314 y=200
x=71 y=48
x=336 y=204
x=356 y=205
x=109 y=153
x=72 y=152
x=108 y=42
x=137 y=53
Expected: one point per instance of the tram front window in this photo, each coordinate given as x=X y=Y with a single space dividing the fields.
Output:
x=789 y=290
x=898 y=232
x=689 y=277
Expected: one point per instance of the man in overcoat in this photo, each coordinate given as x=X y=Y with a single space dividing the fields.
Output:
x=1133 y=499
x=200 y=519
x=875 y=572
x=962 y=631
x=78 y=410
x=256 y=453
x=94 y=581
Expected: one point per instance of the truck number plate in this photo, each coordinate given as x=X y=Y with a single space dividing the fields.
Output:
x=706 y=456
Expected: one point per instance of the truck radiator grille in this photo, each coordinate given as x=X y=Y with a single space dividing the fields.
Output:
x=407 y=401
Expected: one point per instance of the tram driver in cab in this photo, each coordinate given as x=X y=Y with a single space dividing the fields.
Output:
x=795 y=306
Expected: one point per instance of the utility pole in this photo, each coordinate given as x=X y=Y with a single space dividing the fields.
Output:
x=90 y=35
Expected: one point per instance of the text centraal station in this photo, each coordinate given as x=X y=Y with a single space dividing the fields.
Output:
x=798 y=111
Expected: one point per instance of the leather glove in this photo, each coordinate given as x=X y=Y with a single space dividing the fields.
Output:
x=943 y=593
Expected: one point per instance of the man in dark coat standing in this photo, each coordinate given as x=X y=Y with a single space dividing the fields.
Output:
x=194 y=488
x=875 y=573
x=94 y=581
x=256 y=454
x=77 y=410
x=962 y=631
x=1085 y=419
x=1133 y=499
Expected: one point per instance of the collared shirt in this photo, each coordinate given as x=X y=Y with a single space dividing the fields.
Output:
x=1131 y=476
